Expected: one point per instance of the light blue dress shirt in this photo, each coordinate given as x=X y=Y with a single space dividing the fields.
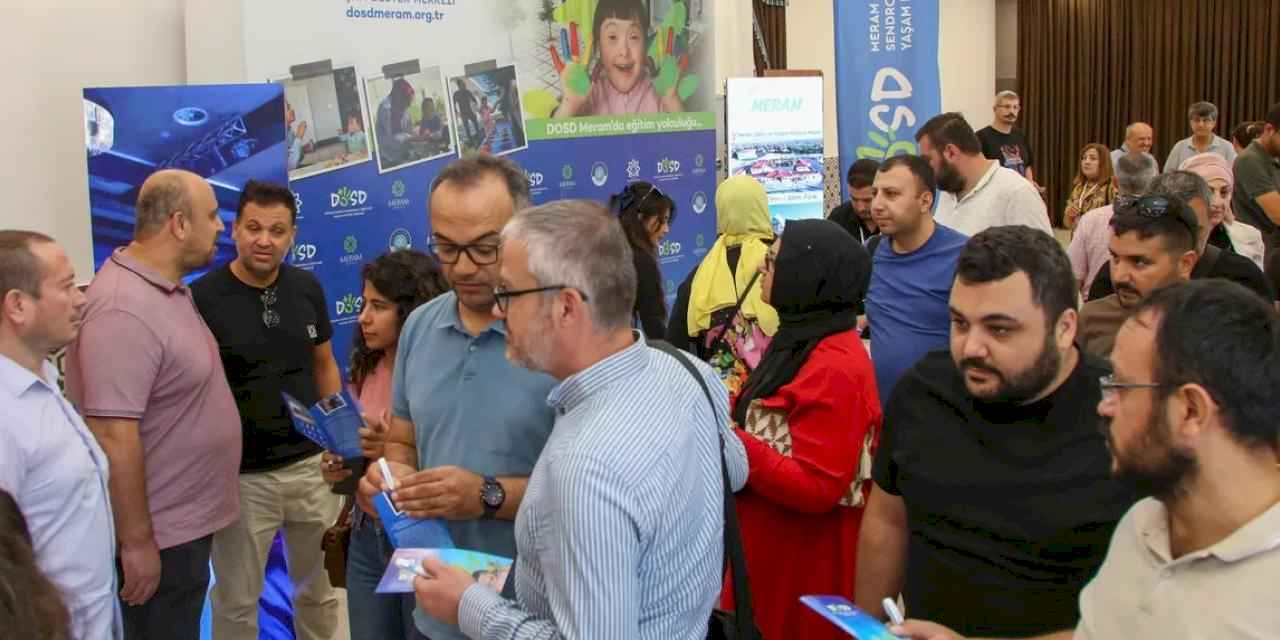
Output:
x=54 y=468
x=470 y=408
x=621 y=527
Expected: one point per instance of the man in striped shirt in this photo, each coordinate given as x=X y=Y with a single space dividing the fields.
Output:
x=621 y=528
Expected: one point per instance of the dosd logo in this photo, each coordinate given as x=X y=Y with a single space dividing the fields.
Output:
x=349 y=304
x=348 y=197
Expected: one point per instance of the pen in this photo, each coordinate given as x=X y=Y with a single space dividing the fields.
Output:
x=409 y=565
x=386 y=474
x=891 y=608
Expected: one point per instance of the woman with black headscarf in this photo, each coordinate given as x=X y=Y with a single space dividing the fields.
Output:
x=809 y=417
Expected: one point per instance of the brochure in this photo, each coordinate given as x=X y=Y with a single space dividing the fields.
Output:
x=489 y=570
x=406 y=532
x=847 y=617
x=333 y=423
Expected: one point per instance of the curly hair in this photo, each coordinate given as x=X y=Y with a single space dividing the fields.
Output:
x=409 y=278
x=28 y=600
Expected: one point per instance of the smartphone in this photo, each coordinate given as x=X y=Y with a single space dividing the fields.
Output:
x=849 y=618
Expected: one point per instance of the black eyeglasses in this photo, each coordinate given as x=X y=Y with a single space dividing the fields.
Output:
x=1110 y=387
x=1156 y=207
x=502 y=296
x=480 y=254
x=270 y=318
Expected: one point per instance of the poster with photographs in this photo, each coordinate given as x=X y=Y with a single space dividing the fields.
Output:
x=325 y=121
x=486 y=106
x=411 y=122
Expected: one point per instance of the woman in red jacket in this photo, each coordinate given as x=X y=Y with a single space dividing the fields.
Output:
x=809 y=417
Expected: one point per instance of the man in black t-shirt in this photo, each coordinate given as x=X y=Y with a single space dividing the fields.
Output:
x=1000 y=141
x=854 y=216
x=993 y=500
x=272 y=327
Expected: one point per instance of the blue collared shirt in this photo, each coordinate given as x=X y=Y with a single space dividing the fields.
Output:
x=621 y=527
x=470 y=408
x=54 y=468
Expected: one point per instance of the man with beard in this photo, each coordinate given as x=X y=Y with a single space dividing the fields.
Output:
x=993 y=500
x=621 y=529
x=1256 y=198
x=855 y=215
x=977 y=193
x=466 y=426
x=1152 y=246
x=1190 y=418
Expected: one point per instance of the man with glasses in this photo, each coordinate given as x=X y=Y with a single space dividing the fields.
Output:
x=1152 y=246
x=1189 y=416
x=467 y=426
x=993 y=499
x=272 y=326
x=145 y=374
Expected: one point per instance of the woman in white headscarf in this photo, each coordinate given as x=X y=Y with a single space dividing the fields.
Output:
x=1244 y=239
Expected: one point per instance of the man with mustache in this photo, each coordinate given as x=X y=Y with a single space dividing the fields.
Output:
x=993 y=500
x=1189 y=416
x=1152 y=246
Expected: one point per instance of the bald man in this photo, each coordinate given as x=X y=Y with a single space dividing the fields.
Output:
x=145 y=374
x=1139 y=137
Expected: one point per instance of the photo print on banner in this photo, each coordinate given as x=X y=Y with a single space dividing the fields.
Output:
x=486 y=106
x=411 y=121
x=325 y=121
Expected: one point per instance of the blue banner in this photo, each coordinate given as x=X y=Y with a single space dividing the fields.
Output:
x=887 y=65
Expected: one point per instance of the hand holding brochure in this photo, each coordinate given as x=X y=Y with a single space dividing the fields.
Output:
x=489 y=570
x=848 y=618
x=403 y=531
x=333 y=423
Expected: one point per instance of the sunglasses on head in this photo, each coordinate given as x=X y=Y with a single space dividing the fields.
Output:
x=1155 y=207
x=627 y=201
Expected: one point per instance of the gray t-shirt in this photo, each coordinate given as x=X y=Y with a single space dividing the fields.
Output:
x=1257 y=173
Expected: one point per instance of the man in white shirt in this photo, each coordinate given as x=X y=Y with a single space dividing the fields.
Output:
x=49 y=461
x=1189 y=414
x=977 y=193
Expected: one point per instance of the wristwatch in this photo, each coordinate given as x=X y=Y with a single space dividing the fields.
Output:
x=492 y=495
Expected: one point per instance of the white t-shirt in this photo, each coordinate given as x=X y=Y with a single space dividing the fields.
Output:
x=1001 y=197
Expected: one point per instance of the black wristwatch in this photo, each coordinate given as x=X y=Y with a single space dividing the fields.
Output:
x=492 y=495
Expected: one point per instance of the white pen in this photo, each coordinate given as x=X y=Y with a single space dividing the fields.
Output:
x=386 y=474
x=891 y=608
x=410 y=565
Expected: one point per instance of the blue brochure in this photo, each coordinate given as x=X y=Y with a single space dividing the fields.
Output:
x=849 y=618
x=406 y=532
x=333 y=423
x=489 y=570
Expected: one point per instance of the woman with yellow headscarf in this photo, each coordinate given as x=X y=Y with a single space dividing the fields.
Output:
x=718 y=313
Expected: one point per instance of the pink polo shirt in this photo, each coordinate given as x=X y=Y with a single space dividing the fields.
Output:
x=145 y=353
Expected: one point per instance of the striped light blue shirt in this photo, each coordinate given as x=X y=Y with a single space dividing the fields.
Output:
x=620 y=532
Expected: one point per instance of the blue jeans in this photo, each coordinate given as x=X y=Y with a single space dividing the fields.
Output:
x=375 y=616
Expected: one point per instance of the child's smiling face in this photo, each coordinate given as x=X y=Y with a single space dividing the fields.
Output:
x=622 y=52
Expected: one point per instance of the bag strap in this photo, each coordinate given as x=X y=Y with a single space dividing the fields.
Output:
x=732 y=533
x=724 y=327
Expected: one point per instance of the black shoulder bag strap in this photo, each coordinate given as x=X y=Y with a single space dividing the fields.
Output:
x=724 y=328
x=745 y=627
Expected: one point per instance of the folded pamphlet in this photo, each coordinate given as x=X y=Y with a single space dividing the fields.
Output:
x=333 y=423
x=848 y=618
x=489 y=570
x=405 y=532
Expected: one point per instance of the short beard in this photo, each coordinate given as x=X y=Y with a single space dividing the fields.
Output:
x=1161 y=469
x=949 y=179
x=1026 y=384
x=535 y=354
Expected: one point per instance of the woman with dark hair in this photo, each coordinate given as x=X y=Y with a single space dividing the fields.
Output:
x=30 y=605
x=1245 y=133
x=395 y=284
x=646 y=214
x=809 y=417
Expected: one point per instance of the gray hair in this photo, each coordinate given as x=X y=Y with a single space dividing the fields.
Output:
x=579 y=244
x=1007 y=94
x=161 y=195
x=1134 y=172
x=19 y=267
x=469 y=169
x=1184 y=184
x=1202 y=110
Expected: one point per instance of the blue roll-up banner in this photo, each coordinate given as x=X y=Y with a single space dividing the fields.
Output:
x=887 y=65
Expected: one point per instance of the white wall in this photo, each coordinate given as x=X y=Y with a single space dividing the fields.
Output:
x=1006 y=39
x=966 y=55
x=52 y=50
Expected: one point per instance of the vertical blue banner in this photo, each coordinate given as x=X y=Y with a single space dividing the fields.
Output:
x=887 y=65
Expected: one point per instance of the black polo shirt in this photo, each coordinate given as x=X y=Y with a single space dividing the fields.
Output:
x=262 y=361
x=1213 y=263
x=1010 y=508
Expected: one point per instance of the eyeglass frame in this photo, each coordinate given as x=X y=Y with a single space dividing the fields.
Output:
x=502 y=296
x=1153 y=207
x=434 y=247
x=1111 y=388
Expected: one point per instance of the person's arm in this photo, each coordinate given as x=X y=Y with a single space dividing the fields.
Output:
x=882 y=551
x=1076 y=252
x=590 y=581
x=827 y=425
x=1031 y=176
x=139 y=554
x=923 y=630
x=678 y=325
x=1270 y=203
x=328 y=376
x=1172 y=162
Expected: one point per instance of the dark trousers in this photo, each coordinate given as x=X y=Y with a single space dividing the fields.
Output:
x=173 y=613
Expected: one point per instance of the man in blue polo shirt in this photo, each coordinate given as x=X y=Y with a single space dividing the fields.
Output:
x=467 y=425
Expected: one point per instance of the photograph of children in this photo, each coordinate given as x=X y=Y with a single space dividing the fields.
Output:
x=615 y=57
x=332 y=403
x=324 y=122
x=410 y=119
x=489 y=570
x=486 y=106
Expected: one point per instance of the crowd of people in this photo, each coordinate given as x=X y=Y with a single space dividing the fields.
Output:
x=925 y=398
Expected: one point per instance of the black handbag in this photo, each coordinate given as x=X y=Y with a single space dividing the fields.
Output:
x=725 y=625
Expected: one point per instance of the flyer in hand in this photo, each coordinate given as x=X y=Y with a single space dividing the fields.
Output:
x=849 y=618
x=333 y=423
x=489 y=570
